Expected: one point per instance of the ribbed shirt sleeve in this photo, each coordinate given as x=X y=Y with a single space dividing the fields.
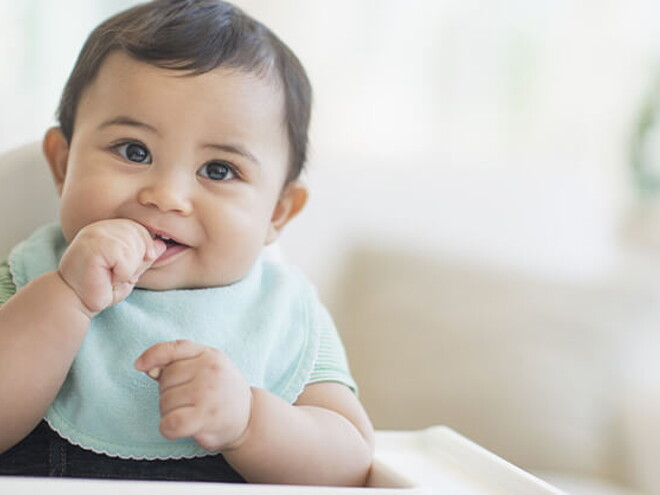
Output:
x=7 y=287
x=331 y=362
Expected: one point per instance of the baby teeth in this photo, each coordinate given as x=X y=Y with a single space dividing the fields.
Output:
x=158 y=236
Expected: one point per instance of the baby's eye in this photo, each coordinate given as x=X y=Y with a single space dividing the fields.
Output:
x=134 y=152
x=217 y=171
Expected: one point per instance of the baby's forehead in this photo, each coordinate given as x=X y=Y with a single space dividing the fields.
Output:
x=169 y=108
x=119 y=64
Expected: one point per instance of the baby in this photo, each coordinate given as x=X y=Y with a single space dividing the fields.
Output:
x=146 y=336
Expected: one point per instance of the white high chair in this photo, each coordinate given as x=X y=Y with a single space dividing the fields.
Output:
x=28 y=197
x=435 y=460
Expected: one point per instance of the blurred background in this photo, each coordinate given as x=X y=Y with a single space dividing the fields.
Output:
x=484 y=219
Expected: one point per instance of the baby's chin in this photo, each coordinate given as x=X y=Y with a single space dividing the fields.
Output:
x=157 y=283
x=161 y=286
x=183 y=274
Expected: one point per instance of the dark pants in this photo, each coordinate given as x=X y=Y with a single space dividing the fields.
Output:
x=44 y=453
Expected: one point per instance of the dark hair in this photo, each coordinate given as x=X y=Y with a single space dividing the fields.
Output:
x=196 y=36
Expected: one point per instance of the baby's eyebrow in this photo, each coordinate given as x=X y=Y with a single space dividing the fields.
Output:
x=235 y=149
x=128 y=121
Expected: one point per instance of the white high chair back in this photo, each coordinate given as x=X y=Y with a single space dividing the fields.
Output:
x=28 y=197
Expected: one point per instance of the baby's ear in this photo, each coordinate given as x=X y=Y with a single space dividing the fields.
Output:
x=291 y=202
x=56 y=150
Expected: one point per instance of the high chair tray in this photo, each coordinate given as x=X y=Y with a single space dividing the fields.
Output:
x=448 y=463
x=433 y=461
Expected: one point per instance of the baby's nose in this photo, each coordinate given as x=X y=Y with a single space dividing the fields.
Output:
x=169 y=192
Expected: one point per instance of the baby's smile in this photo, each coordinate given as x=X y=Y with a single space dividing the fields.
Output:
x=166 y=239
x=172 y=245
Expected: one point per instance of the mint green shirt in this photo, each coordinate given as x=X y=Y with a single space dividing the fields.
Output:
x=7 y=287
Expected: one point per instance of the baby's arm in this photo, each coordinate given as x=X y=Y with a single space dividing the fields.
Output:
x=43 y=325
x=324 y=439
x=41 y=328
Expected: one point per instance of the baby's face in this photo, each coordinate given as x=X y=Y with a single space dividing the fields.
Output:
x=199 y=159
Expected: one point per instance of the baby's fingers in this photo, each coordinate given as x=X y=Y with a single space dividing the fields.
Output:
x=154 y=250
x=181 y=423
x=124 y=272
x=121 y=291
x=164 y=353
x=130 y=268
x=187 y=422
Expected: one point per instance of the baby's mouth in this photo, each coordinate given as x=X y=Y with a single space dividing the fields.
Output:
x=167 y=240
x=172 y=246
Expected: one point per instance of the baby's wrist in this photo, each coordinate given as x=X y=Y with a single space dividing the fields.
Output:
x=243 y=437
x=79 y=302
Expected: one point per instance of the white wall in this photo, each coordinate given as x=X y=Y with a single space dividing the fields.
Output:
x=494 y=129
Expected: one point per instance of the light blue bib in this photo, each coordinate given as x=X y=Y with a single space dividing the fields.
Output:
x=265 y=323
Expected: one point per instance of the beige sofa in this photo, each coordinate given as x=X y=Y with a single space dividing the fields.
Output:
x=547 y=374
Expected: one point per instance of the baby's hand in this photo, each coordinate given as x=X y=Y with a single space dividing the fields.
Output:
x=105 y=260
x=203 y=394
